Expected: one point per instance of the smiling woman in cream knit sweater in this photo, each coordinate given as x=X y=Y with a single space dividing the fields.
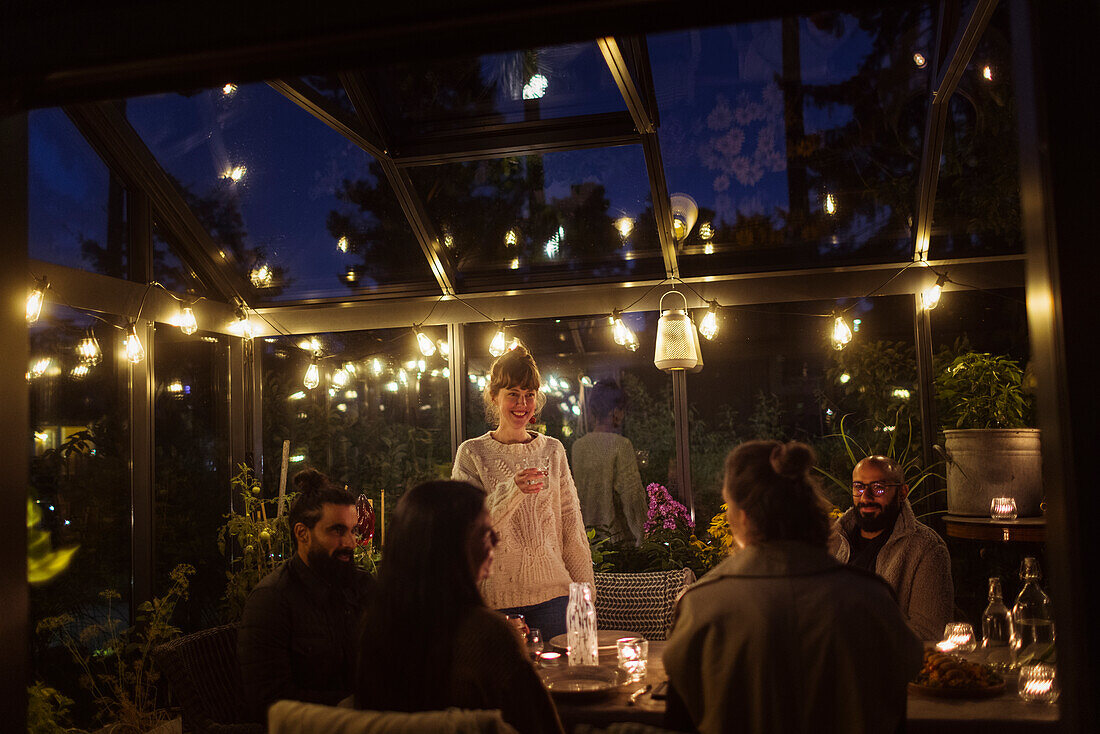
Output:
x=543 y=546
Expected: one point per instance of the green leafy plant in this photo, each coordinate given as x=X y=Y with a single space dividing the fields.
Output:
x=43 y=562
x=599 y=544
x=982 y=390
x=48 y=711
x=116 y=663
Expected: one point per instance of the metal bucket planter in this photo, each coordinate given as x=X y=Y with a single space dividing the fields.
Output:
x=983 y=463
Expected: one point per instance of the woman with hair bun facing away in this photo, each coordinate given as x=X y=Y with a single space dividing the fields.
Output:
x=781 y=637
x=531 y=498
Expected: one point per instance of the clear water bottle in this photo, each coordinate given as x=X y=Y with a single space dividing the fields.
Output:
x=580 y=625
x=997 y=628
x=1032 y=617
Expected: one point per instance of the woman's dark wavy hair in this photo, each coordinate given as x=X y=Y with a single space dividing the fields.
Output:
x=771 y=482
x=425 y=590
x=314 y=490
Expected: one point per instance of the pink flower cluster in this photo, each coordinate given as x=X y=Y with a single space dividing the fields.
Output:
x=664 y=511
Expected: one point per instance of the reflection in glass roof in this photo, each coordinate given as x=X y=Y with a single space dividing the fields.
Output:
x=77 y=212
x=277 y=191
x=799 y=139
x=978 y=191
x=427 y=96
x=581 y=214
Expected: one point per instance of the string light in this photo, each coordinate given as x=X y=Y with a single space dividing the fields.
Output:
x=261 y=275
x=39 y=367
x=36 y=298
x=342 y=244
x=340 y=378
x=624 y=225
x=313 y=375
x=708 y=327
x=622 y=334
x=186 y=321
x=919 y=60
x=930 y=296
x=350 y=368
x=499 y=344
x=88 y=350
x=842 y=333
x=445 y=348
x=243 y=325
x=830 y=204
x=80 y=371
x=376 y=367
x=134 y=351
x=510 y=238
x=427 y=346
x=706 y=231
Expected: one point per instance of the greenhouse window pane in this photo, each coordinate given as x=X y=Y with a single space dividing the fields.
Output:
x=429 y=96
x=297 y=209
x=582 y=215
x=978 y=191
x=799 y=139
x=77 y=208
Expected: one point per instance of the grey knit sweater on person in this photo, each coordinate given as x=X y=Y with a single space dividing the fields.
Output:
x=915 y=562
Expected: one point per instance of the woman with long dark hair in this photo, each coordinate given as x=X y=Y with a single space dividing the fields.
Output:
x=531 y=498
x=781 y=637
x=428 y=641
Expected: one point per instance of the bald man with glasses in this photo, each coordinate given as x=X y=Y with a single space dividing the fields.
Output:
x=881 y=534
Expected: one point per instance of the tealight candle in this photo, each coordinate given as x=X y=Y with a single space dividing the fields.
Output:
x=1003 y=508
x=1038 y=683
x=551 y=659
x=958 y=636
x=633 y=656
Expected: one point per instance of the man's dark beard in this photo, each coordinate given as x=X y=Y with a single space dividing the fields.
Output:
x=332 y=569
x=881 y=521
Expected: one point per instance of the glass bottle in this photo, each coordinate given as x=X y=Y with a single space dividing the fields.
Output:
x=997 y=628
x=1032 y=618
x=580 y=625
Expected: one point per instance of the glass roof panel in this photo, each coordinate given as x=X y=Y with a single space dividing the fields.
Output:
x=538 y=218
x=426 y=96
x=296 y=208
x=76 y=208
x=329 y=87
x=978 y=192
x=799 y=139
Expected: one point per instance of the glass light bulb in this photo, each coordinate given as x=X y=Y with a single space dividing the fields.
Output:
x=708 y=327
x=313 y=376
x=187 y=323
x=625 y=225
x=350 y=368
x=34 y=304
x=340 y=378
x=510 y=238
x=623 y=335
x=81 y=370
x=830 y=204
x=89 y=351
x=930 y=297
x=244 y=326
x=842 y=333
x=376 y=367
x=498 y=345
x=427 y=346
x=445 y=348
x=134 y=351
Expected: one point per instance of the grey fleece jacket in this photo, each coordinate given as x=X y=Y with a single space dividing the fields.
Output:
x=915 y=562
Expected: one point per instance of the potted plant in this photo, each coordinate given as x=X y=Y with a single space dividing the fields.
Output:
x=990 y=448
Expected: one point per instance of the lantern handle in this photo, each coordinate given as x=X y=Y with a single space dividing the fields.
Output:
x=661 y=303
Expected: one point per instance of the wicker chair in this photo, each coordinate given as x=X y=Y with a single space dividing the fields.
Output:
x=205 y=677
x=640 y=602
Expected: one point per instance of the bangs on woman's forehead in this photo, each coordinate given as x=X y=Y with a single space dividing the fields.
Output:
x=521 y=376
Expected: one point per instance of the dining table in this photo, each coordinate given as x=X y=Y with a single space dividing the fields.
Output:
x=1002 y=714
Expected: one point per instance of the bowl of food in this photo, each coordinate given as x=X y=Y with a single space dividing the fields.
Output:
x=951 y=676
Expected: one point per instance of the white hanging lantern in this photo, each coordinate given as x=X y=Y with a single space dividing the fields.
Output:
x=677 y=339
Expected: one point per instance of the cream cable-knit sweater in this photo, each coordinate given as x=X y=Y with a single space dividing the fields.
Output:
x=543 y=545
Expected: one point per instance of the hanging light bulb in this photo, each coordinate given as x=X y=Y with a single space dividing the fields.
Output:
x=510 y=238
x=134 y=351
x=445 y=348
x=88 y=350
x=830 y=204
x=350 y=368
x=243 y=325
x=186 y=321
x=622 y=334
x=624 y=225
x=313 y=375
x=376 y=367
x=340 y=378
x=80 y=370
x=36 y=298
x=930 y=296
x=499 y=343
x=677 y=340
x=842 y=333
x=427 y=346
x=708 y=327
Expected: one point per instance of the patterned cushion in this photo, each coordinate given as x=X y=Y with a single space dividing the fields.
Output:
x=640 y=602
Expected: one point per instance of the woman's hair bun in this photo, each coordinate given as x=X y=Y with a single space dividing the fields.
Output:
x=792 y=460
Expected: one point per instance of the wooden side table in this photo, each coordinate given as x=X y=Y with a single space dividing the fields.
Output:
x=1024 y=529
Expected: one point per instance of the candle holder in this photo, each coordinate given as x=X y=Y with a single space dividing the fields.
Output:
x=1038 y=683
x=551 y=660
x=633 y=655
x=958 y=636
x=1003 y=508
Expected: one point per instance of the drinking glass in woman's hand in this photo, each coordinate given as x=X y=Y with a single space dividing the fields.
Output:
x=532 y=474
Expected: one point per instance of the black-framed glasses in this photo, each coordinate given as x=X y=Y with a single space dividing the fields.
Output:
x=876 y=488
